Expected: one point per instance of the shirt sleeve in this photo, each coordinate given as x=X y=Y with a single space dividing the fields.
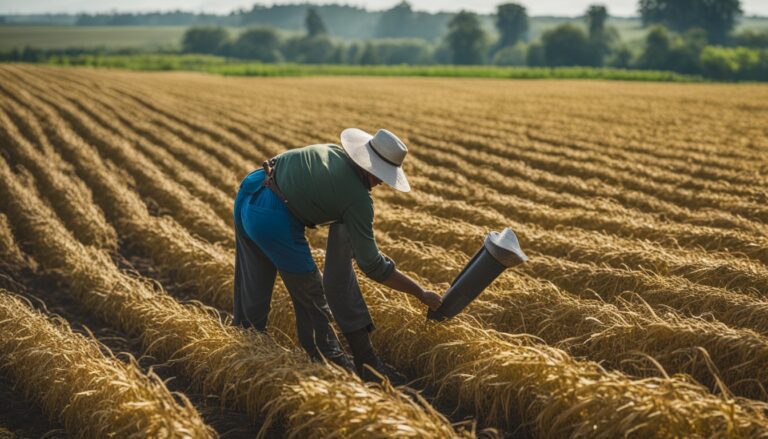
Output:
x=358 y=219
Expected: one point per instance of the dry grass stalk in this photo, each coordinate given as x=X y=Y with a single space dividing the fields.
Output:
x=94 y=395
x=73 y=200
x=614 y=335
x=12 y=256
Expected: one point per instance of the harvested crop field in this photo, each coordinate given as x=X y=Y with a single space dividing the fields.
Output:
x=643 y=309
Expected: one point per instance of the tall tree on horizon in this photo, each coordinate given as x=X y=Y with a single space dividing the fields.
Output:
x=512 y=23
x=314 y=23
x=395 y=20
x=599 y=38
x=466 y=39
x=596 y=17
x=716 y=17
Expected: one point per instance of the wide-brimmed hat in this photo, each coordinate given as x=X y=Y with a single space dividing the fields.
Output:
x=382 y=155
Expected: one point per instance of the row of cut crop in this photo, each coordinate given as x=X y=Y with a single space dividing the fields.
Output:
x=94 y=395
x=73 y=199
x=498 y=131
x=589 y=280
x=720 y=270
x=159 y=155
x=606 y=333
x=153 y=183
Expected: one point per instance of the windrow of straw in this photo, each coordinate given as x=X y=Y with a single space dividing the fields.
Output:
x=618 y=151
x=73 y=198
x=168 y=157
x=618 y=336
x=666 y=233
x=609 y=176
x=589 y=280
x=653 y=134
x=148 y=178
x=636 y=225
x=707 y=268
x=12 y=256
x=707 y=217
x=502 y=377
x=630 y=174
x=248 y=370
x=142 y=127
x=578 y=188
x=177 y=253
x=155 y=130
x=93 y=394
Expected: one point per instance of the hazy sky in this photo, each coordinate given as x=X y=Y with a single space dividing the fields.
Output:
x=535 y=7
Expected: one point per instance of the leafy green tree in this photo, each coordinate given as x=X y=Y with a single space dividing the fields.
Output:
x=466 y=39
x=717 y=17
x=596 y=17
x=314 y=23
x=204 y=39
x=666 y=51
x=370 y=55
x=403 y=51
x=751 y=38
x=310 y=50
x=658 y=46
x=395 y=20
x=535 y=57
x=511 y=55
x=261 y=44
x=735 y=63
x=567 y=45
x=601 y=37
x=621 y=58
x=354 y=51
x=512 y=23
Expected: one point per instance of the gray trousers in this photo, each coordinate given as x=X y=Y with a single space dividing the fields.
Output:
x=255 y=277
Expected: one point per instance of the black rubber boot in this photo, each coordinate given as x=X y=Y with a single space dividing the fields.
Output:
x=333 y=351
x=366 y=359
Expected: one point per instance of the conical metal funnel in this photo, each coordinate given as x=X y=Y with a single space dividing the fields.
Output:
x=500 y=250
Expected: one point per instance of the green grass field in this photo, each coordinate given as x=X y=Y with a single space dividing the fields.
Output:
x=223 y=66
x=60 y=37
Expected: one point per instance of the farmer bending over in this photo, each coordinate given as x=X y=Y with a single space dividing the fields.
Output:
x=306 y=187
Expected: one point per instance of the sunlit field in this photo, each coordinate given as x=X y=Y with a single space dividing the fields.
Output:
x=643 y=309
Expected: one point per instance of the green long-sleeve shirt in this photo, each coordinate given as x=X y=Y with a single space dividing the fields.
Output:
x=322 y=185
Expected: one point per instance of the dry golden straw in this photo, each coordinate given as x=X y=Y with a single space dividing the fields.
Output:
x=613 y=201
x=94 y=395
x=247 y=370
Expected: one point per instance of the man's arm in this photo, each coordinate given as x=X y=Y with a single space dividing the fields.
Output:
x=359 y=222
x=401 y=282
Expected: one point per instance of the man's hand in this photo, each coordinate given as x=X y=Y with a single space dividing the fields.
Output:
x=431 y=299
x=400 y=282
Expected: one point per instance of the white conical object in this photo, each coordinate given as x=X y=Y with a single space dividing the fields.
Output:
x=505 y=247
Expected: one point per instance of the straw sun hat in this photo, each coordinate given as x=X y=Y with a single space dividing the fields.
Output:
x=382 y=155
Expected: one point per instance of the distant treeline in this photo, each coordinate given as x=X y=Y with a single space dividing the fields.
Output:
x=713 y=51
x=343 y=21
x=693 y=37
